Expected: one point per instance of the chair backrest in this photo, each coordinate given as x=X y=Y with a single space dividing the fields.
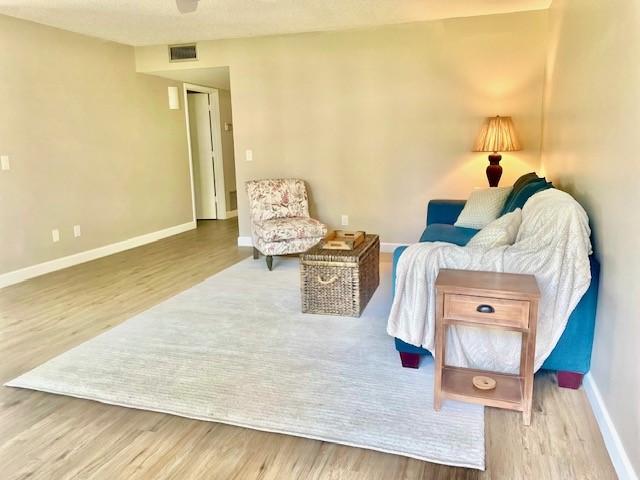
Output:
x=277 y=198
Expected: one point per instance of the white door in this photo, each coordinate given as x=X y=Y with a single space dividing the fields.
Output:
x=202 y=156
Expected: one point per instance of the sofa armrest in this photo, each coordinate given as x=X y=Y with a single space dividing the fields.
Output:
x=444 y=211
x=396 y=258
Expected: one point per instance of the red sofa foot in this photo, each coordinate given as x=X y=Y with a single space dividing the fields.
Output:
x=570 y=380
x=410 y=360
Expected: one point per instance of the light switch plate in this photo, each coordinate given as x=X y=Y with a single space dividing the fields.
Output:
x=4 y=161
x=249 y=155
x=345 y=220
x=55 y=235
x=76 y=231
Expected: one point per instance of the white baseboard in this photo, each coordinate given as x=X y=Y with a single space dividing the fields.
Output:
x=246 y=241
x=387 y=247
x=618 y=454
x=23 y=274
x=227 y=215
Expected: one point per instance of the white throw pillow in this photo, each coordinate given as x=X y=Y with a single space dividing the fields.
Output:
x=483 y=207
x=502 y=231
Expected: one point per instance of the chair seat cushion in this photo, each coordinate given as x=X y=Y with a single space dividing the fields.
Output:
x=439 y=232
x=282 y=229
x=287 y=247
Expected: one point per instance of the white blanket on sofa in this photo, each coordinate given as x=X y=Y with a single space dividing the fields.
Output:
x=552 y=243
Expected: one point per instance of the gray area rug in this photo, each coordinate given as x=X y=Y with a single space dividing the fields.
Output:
x=236 y=349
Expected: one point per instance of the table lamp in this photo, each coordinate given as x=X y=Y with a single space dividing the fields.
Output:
x=497 y=135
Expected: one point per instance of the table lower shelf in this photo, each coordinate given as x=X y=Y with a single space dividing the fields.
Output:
x=457 y=384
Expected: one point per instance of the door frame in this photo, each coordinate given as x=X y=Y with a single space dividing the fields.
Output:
x=218 y=159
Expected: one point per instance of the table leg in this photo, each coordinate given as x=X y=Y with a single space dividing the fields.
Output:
x=527 y=359
x=440 y=351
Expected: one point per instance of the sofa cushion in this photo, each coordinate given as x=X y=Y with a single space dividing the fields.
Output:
x=526 y=192
x=483 y=207
x=444 y=211
x=499 y=233
x=440 y=232
x=279 y=229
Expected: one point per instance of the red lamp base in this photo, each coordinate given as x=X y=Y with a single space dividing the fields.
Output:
x=494 y=170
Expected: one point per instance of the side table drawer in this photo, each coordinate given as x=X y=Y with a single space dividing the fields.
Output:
x=501 y=312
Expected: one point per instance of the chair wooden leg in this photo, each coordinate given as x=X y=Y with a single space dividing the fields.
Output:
x=269 y=262
x=256 y=253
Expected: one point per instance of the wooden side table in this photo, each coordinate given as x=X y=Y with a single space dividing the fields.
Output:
x=502 y=301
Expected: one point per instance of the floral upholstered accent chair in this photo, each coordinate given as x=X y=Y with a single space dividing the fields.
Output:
x=280 y=222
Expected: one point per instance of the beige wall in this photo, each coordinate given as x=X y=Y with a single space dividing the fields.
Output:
x=592 y=148
x=91 y=142
x=379 y=121
x=227 y=146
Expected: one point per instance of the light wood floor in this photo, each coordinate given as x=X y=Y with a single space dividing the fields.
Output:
x=55 y=437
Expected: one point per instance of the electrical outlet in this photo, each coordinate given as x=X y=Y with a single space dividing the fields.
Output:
x=345 y=220
x=249 y=155
x=55 y=235
x=4 y=162
x=76 y=231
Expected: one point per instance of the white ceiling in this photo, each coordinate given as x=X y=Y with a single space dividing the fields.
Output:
x=216 y=77
x=151 y=22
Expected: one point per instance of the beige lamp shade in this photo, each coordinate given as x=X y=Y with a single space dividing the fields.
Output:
x=497 y=135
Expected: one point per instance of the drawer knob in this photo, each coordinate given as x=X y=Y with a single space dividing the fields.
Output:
x=485 y=309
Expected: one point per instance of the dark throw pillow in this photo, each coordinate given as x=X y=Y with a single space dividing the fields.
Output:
x=523 y=180
x=520 y=183
x=525 y=193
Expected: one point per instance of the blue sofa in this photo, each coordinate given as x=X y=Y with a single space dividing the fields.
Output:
x=571 y=357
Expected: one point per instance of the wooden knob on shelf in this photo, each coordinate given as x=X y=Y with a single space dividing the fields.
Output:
x=484 y=383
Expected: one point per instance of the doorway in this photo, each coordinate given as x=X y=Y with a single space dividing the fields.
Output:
x=212 y=175
x=202 y=155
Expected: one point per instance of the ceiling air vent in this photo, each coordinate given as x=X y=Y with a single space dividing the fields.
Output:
x=183 y=53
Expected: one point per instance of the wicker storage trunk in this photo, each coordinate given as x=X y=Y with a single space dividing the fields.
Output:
x=340 y=282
